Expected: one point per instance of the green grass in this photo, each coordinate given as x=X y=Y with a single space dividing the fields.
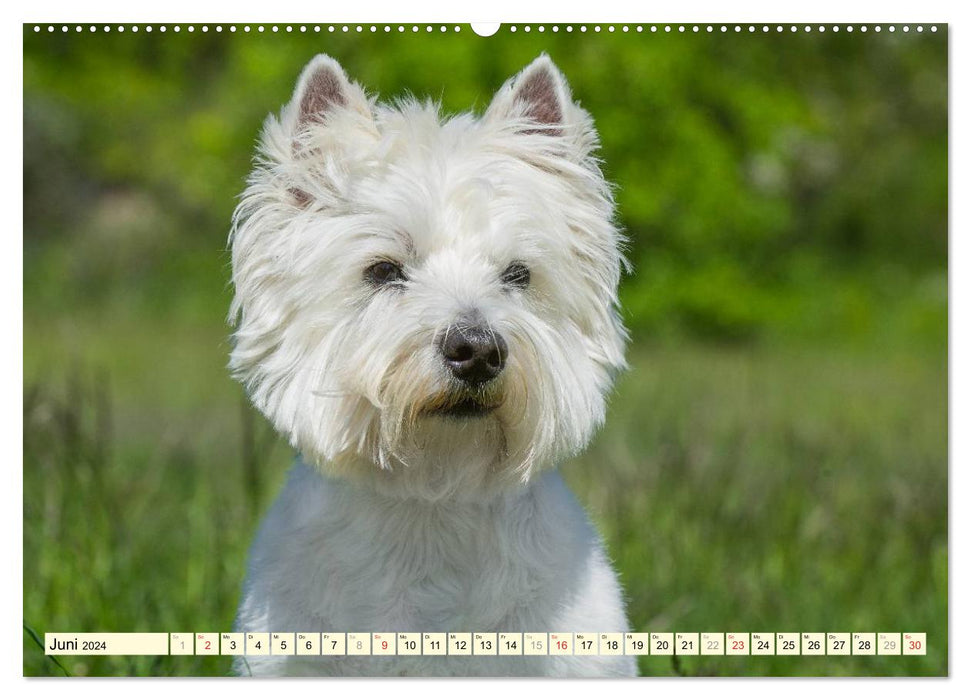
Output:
x=778 y=491
x=737 y=488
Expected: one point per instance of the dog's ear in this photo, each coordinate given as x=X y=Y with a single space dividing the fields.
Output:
x=322 y=88
x=539 y=95
x=326 y=112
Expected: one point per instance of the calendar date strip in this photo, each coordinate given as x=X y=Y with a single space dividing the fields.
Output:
x=487 y=644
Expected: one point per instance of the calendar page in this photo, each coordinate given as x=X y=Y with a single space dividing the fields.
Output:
x=514 y=349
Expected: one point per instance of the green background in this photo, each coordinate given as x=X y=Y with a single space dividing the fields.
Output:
x=775 y=460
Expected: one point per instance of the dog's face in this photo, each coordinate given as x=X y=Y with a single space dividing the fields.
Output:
x=426 y=296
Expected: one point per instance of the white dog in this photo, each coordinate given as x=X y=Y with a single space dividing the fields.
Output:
x=427 y=308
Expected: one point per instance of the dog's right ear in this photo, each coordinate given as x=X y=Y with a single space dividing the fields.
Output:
x=325 y=113
x=322 y=88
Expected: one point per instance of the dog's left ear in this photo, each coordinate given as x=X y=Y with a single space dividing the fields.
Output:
x=540 y=96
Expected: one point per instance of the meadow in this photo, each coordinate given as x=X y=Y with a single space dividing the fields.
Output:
x=776 y=458
x=797 y=489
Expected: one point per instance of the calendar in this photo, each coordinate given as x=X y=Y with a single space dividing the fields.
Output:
x=488 y=644
x=613 y=346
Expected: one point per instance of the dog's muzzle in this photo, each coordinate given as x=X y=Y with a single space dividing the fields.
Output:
x=473 y=354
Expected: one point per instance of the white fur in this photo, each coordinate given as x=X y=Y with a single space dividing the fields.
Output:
x=406 y=520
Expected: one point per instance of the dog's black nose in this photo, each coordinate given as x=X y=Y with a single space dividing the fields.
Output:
x=473 y=354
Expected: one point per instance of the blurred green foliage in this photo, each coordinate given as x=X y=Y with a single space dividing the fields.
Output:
x=776 y=183
x=775 y=459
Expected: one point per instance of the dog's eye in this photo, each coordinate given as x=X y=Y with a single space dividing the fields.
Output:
x=384 y=272
x=516 y=275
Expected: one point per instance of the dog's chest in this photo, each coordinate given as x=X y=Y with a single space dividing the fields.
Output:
x=330 y=558
x=354 y=560
x=438 y=569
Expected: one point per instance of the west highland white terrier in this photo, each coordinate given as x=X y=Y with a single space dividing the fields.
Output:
x=426 y=306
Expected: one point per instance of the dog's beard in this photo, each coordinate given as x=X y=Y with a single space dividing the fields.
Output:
x=426 y=435
x=444 y=437
x=460 y=403
x=387 y=410
x=442 y=457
